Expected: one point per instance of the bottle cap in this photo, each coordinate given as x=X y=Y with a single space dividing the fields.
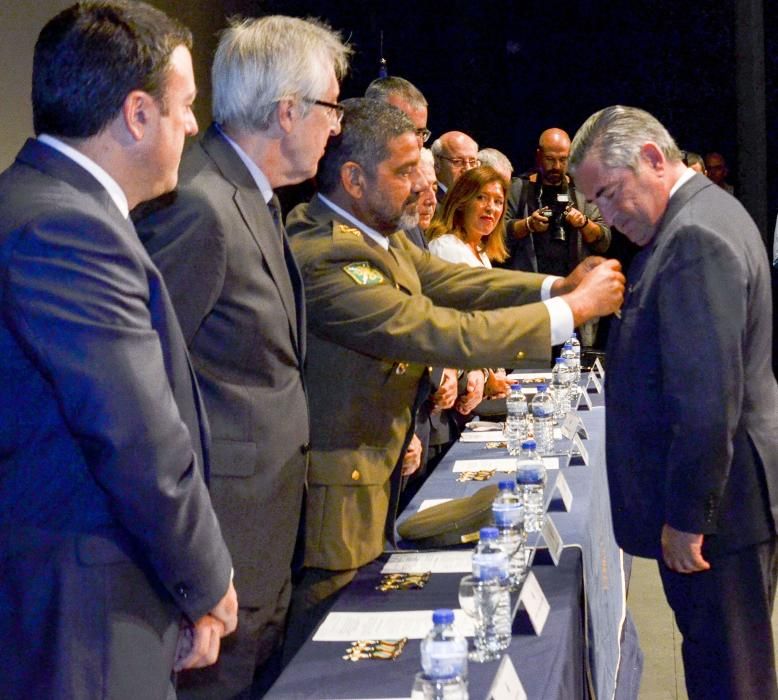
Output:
x=529 y=445
x=442 y=616
x=489 y=533
x=541 y=388
x=516 y=387
x=506 y=486
x=560 y=360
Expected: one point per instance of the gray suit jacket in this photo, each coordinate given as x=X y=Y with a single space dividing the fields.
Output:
x=238 y=295
x=106 y=525
x=692 y=421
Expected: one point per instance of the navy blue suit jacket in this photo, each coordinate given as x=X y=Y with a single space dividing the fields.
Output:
x=107 y=533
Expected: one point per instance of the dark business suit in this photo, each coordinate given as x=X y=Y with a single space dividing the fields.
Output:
x=692 y=428
x=106 y=528
x=238 y=295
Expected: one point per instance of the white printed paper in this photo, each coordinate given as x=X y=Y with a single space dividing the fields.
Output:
x=444 y=562
x=414 y=624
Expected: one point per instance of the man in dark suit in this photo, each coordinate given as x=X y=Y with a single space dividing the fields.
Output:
x=692 y=422
x=239 y=297
x=108 y=541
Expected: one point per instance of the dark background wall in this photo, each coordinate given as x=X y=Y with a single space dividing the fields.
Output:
x=504 y=70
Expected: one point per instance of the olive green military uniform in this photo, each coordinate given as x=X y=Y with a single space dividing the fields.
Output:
x=376 y=319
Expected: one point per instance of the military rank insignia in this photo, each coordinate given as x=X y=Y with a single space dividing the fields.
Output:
x=364 y=273
x=386 y=649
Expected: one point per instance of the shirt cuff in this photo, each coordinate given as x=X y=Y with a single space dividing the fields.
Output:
x=545 y=288
x=561 y=317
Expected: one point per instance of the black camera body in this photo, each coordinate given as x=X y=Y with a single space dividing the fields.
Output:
x=555 y=213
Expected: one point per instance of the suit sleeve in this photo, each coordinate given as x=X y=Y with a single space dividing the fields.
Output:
x=702 y=317
x=385 y=321
x=78 y=301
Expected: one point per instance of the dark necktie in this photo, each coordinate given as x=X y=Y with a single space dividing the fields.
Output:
x=275 y=211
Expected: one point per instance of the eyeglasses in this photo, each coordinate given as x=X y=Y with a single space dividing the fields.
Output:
x=334 y=110
x=423 y=134
x=462 y=162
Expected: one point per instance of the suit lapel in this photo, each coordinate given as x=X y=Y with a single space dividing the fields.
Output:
x=256 y=215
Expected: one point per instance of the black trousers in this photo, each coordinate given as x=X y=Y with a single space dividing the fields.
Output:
x=724 y=617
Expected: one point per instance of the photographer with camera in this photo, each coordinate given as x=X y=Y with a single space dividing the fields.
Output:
x=551 y=227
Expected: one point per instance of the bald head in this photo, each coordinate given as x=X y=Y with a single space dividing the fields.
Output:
x=455 y=152
x=553 y=151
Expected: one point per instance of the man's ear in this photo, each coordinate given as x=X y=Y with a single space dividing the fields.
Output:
x=285 y=114
x=653 y=157
x=352 y=178
x=137 y=110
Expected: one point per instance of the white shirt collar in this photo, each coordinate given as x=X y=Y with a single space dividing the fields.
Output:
x=99 y=174
x=687 y=175
x=383 y=241
x=259 y=177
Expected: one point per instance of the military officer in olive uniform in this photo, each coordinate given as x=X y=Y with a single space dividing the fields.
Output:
x=380 y=310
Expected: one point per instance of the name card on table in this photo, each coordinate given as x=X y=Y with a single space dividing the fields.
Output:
x=584 y=401
x=597 y=368
x=553 y=539
x=563 y=488
x=594 y=381
x=579 y=454
x=570 y=425
x=506 y=684
x=533 y=606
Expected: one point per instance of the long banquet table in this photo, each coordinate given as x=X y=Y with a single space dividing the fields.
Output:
x=588 y=647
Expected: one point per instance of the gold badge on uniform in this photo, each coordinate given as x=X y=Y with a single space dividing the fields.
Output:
x=364 y=273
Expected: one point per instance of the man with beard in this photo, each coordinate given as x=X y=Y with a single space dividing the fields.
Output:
x=379 y=312
x=539 y=241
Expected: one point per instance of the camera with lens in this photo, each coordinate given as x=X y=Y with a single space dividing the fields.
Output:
x=555 y=213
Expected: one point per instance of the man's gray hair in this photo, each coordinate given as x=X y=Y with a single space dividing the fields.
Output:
x=497 y=160
x=366 y=130
x=260 y=61
x=615 y=135
x=382 y=88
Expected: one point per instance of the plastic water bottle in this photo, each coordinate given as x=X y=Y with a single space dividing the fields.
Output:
x=508 y=516
x=573 y=361
x=490 y=567
x=444 y=659
x=561 y=381
x=531 y=483
x=516 y=428
x=542 y=407
x=575 y=345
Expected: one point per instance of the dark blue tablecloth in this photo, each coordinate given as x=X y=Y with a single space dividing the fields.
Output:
x=589 y=646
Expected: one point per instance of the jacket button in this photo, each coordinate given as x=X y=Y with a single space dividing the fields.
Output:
x=520 y=355
x=355 y=475
x=306 y=448
x=182 y=590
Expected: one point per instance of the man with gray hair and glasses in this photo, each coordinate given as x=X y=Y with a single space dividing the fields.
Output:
x=692 y=421
x=222 y=249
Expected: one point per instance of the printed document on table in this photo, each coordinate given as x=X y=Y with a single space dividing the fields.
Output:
x=444 y=562
x=499 y=464
x=414 y=624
